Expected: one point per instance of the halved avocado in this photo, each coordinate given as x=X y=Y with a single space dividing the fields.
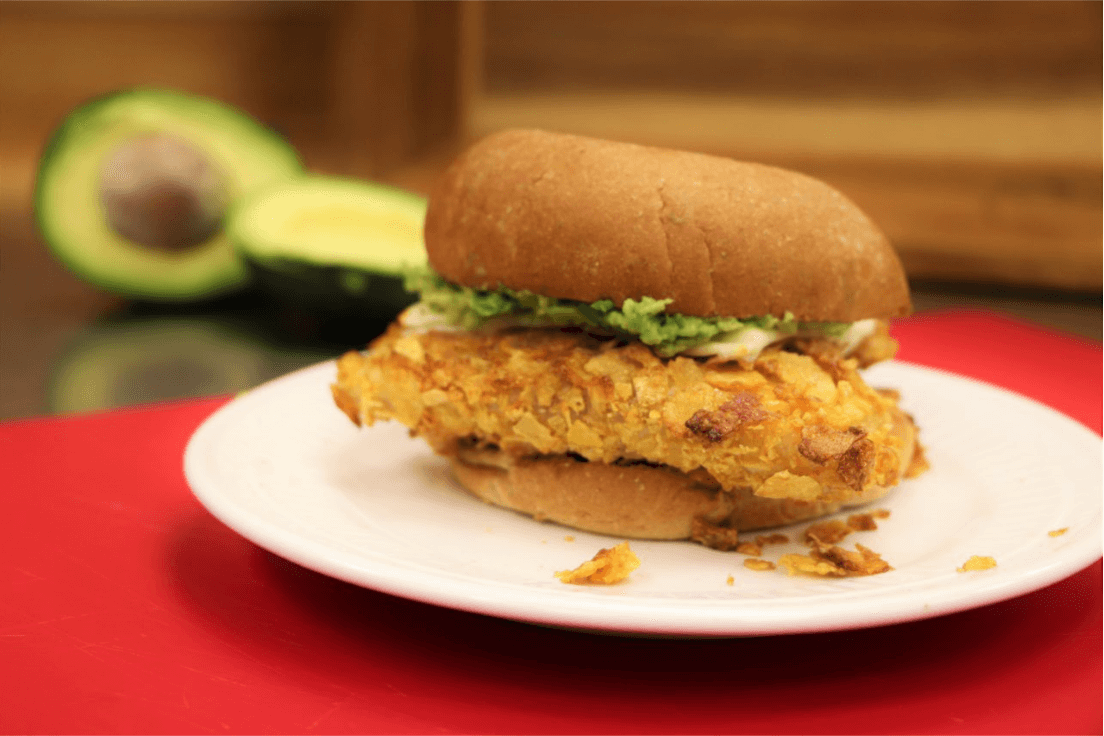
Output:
x=331 y=244
x=133 y=187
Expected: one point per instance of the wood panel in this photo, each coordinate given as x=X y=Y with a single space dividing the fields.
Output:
x=814 y=50
x=400 y=83
x=358 y=87
x=970 y=131
x=56 y=55
x=959 y=203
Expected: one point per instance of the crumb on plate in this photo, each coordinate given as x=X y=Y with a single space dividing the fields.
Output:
x=827 y=532
x=1058 y=532
x=758 y=565
x=714 y=536
x=862 y=522
x=978 y=562
x=607 y=567
x=833 y=561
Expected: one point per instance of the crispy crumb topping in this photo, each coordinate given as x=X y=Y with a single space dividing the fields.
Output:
x=550 y=392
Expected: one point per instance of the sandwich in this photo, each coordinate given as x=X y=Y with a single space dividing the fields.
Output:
x=643 y=342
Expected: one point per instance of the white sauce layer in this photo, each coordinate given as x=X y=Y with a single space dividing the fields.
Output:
x=420 y=318
x=748 y=343
x=743 y=345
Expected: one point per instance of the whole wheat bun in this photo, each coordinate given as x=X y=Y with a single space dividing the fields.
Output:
x=638 y=501
x=634 y=501
x=587 y=219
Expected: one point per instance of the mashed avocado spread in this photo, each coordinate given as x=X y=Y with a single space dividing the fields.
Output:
x=646 y=320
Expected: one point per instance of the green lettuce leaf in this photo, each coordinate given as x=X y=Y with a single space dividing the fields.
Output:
x=646 y=319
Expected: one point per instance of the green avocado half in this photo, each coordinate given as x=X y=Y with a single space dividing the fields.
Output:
x=334 y=245
x=133 y=188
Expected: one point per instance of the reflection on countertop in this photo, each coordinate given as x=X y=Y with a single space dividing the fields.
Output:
x=144 y=353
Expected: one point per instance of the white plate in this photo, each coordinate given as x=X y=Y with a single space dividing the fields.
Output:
x=285 y=469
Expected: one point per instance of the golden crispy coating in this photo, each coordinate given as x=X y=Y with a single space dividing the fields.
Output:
x=794 y=425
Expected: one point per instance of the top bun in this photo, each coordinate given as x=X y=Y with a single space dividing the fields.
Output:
x=587 y=219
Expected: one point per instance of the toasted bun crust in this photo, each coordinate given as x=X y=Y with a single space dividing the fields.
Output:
x=587 y=219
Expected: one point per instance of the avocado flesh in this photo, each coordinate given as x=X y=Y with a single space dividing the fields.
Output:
x=74 y=220
x=331 y=243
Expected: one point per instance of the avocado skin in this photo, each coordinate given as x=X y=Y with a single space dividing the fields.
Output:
x=331 y=291
x=82 y=122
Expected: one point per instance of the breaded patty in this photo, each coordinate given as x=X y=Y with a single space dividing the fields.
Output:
x=799 y=423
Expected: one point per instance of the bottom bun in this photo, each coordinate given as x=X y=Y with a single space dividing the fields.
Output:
x=634 y=500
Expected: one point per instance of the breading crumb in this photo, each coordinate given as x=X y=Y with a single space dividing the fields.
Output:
x=862 y=522
x=730 y=580
x=796 y=564
x=1058 y=532
x=978 y=562
x=749 y=548
x=830 y=560
x=775 y=538
x=714 y=536
x=569 y=538
x=759 y=565
x=827 y=532
x=607 y=567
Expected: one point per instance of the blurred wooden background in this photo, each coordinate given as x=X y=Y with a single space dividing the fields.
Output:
x=971 y=131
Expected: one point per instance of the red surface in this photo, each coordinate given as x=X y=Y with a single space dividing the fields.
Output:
x=126 y=608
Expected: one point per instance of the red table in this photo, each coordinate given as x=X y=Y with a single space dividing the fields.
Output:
x=126 y=608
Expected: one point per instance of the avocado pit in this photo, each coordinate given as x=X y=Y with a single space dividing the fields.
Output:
x=162 y=192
